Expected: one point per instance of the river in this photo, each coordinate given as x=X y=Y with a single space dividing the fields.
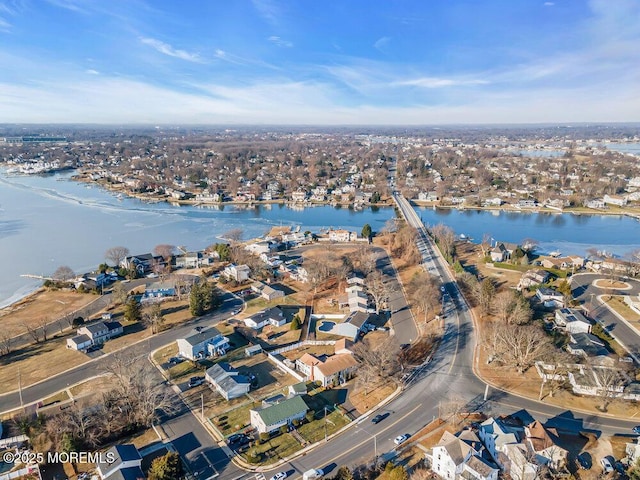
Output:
x=49 y=221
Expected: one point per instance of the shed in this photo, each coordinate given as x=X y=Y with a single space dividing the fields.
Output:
x=253 y=350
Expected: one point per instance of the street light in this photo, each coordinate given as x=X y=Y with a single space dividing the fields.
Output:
x=375 y=444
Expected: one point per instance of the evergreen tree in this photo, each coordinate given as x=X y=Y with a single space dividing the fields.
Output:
x=132 y=311
x=295 y=322
x=366 y=231
x=167 y=467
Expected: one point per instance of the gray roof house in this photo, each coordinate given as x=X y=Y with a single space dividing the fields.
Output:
x=273 y=316
x=495 y=433
x=202 y=343
x=227 y=381
x=94 y=334
x=586 y=345
x=572 y=320
x=271 y=418
x=352 y=326
x=125 y=465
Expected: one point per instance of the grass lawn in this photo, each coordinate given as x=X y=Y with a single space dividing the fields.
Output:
x=165 y=353
x=616 y=303
x=53 y=355
x=274 y=449
x=257 y=304
x=235 y=419
x=58 y=397
x=315 y=431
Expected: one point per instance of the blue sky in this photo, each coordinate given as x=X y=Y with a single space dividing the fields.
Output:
x=319 y=62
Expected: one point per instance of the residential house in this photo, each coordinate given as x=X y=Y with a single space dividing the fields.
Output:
x=142 y=263
x=193 y=260
x=227 y=381
x=94 y=334
x=616 y=200
x=299 y=388
x=125 y=464
x=495 y=433
x=518 y=462
x=632 y=450
x=273 y=316
x=572 y=320
x=633 y=301
x=266 y=291
x=355 y=279
x=342 y=236
x=159 y=290
x=563 y=263
x=459 y=456
x=239 y=273
x=550 y=297
x=336 y=369
x=544 y=444
x=499 y=253
x=202 y=343
x=533 y=277
x=299 y=196
x=595 y=204
x=263 y=246
x=352 y=326
x=586 y=345
x=306 y=364
x=271 y=418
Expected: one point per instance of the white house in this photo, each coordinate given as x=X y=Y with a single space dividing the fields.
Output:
x=273 y=417
x=239 y=273
x=615 y=200
x=94 y=334
x=550 y=297
x=518 y=462
x=572 y=321
x=543 y=443
x=272 y=316
x=495 y=433
x=202 y=343
x=227 y=381
x=499 y=253
x=459 y=456
x=351 y=326
x=266 y=291
x=342 y=235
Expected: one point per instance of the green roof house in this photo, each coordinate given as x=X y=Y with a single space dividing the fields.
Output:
x=271 y=418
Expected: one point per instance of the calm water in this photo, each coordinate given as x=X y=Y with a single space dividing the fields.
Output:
x=50 y=221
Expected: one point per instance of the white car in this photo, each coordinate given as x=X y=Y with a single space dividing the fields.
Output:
x=279 y=476
x=401 y=438
x=607 y=466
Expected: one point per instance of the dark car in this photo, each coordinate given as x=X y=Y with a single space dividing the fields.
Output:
x=379 y=418
x=176 y=360
x=636 y=429
x=195 y=381
x=584 y=460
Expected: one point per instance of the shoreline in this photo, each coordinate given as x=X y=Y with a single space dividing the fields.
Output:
x=121 y=189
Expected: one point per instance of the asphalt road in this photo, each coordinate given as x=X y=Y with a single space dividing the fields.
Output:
x=583 y=290
x=38 y=391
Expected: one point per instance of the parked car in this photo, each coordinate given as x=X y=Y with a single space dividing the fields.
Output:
x=401 y=438
x=195 y=381
x=636 y=429
x=584 y=460
x=176 y=360
x=607 y=464
x=279 y=476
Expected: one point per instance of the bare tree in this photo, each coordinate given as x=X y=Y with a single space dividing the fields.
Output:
x=164 y=250
x=6 y=341
x=152 y=317
x=452 y=408
x=512 y=307
x=382 y=361
x=377 y=289
x=425 y=293
x=34 y=333
x=234 y=235
x=485 y=245
x=119 y=293
x=610 y=383
x=63 y=274
x=445 y=238
x=116 y=255
x=517 y=346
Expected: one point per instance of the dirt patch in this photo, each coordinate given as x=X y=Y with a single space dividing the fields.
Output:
x=608 y=284
x=374 y=395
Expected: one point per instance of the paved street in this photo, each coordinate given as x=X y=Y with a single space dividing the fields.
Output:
x=583 y=289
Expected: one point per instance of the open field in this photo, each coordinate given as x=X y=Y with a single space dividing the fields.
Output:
x=43 y=305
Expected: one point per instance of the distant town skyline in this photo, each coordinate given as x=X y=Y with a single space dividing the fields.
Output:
x=309 y=62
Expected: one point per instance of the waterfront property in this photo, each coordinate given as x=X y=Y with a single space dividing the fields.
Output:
x=94 y=334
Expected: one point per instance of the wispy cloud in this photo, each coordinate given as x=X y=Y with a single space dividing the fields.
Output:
x=91 y=71
x=280 y=42
x=5 y=26
x=381 y=43
x=268 y=10
x=548 y=4
x=167 y=49
x=73 y=5
x=435 y=82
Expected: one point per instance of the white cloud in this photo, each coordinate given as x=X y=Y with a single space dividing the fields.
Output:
x=548 y=4
x=381 y=43
x=91 y=71
x=434 y=82
x=167 y=49
x=268 y=10
x=280 y=42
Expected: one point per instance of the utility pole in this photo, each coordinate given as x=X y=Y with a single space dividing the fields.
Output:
x=325 y=423
x=20 y=388
x=202 y=406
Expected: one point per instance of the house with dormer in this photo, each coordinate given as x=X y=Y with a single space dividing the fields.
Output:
x=460 y=456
